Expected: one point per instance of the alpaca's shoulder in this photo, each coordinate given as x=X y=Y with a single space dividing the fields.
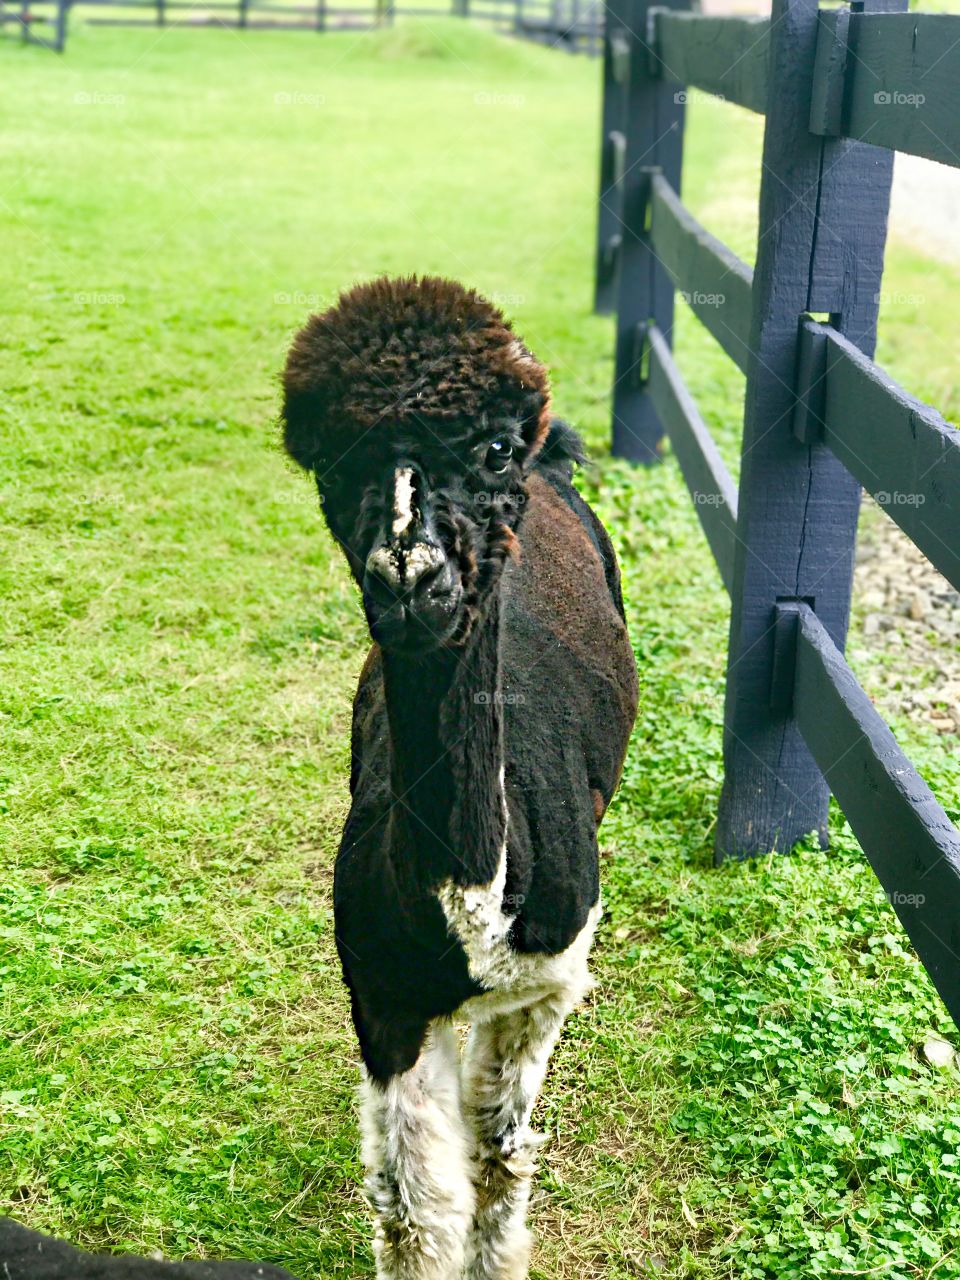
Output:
x=562 y=451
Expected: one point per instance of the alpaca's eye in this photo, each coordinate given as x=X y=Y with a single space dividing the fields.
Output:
x=498 y=455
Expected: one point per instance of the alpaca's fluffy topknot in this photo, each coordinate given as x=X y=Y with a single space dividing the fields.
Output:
x=397 y=352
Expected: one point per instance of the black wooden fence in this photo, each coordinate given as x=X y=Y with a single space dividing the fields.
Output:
x=841 y=90
x=45 y=26
x=572 y=25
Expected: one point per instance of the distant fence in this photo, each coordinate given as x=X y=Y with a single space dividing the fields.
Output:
x=821 y=418
x=45 y=26
x=574 y=25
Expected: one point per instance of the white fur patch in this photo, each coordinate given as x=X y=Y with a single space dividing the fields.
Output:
x=418 y=1149
x=448 y=1175
x=402 y=500
x=504 y=1065
x=475 y=917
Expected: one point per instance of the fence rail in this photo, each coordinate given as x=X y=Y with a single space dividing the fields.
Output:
x=892 y=79
x=822 y=418
x=706 y=474
x=711 y=279
x=572 y=25
x=723 y=56
x=46 y=27
x=894 y=444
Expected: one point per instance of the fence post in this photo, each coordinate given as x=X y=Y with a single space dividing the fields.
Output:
x=616 y=76
x=60 y=40
x=161 y=13
x=823 y=215
x=654 y=139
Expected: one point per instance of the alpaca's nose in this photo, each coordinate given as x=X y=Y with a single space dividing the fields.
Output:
x=402 y=567
x=411 y=593
x=408 y=551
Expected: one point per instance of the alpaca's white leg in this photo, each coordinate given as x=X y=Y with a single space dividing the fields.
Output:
x=418 y=1153
x=504 y=1066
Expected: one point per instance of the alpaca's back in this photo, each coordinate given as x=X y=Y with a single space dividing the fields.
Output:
x=570 y=697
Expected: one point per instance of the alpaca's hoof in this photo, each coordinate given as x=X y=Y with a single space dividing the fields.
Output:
x=515 y=1153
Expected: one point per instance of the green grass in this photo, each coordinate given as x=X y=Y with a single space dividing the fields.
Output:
x=744 y=1096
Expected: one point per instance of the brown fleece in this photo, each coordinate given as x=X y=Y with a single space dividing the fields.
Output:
x=396 y=352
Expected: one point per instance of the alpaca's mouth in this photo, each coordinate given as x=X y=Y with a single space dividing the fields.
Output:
x=423 y=619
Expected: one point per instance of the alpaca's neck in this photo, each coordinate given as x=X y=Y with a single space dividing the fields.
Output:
x=447 y=760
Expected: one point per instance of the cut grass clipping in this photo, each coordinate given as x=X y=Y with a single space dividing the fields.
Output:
x=746 y=1094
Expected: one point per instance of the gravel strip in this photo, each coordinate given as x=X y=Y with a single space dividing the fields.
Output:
x=908 y=612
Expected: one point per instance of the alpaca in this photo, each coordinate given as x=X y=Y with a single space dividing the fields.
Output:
x=489 y=729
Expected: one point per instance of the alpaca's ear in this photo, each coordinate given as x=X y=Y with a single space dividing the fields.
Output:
x=301 y=419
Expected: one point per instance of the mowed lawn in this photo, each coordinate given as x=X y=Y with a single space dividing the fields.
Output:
x=744 y=1096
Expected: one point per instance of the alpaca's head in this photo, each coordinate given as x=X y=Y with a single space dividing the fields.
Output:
x=419 y=412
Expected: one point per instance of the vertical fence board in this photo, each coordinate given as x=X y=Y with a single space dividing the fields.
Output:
x=616 y=75
x=823 y=213
x=63 y=14
x=645 y=292
x=773 y=792
x=853 y=203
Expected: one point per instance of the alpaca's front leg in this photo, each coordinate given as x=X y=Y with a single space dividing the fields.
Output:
x=418 y=1154
x=505 y=1062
